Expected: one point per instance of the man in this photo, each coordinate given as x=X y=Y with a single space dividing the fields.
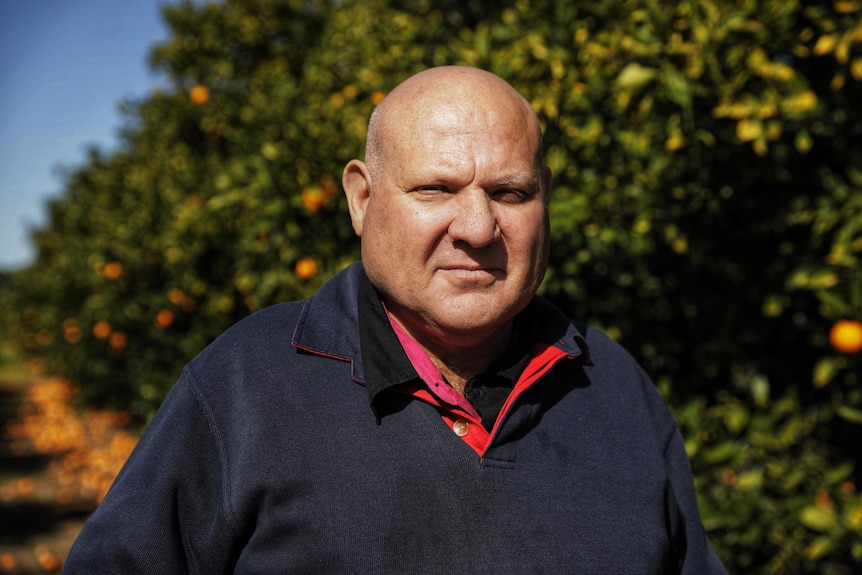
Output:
x=424 y=412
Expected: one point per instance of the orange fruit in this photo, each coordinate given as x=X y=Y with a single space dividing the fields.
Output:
x=118 y=340
x=823 y=500
x=8 y=561
x=102 y=329
x=377 y=97
x=164 y=318
x=313 y=197
x=44 y=337
x=48 y=561
x=846 y=336
x=72 y=334
x=176 y=296
x=26 y=485
x=112 y=270
x=305 y=268
x=199 y=95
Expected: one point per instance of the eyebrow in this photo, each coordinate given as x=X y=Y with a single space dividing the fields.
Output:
x=520 y=179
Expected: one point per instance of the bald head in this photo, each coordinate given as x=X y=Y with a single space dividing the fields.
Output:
x=455 y=91
x=451 y=206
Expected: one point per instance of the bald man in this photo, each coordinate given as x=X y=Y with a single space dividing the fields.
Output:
x=425 y=411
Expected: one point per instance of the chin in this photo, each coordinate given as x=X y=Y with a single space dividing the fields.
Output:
x=478 y=322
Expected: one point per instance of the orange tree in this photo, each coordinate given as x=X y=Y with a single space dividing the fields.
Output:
x=707 y=212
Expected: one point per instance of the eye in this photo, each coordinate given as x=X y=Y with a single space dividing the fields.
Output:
x=431 y=190
x=511 y=195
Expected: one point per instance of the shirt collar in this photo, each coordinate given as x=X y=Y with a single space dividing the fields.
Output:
x=384 y=361
x=329 y=324
x=387 y=364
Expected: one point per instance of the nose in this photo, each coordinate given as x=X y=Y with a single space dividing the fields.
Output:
x=475 y=221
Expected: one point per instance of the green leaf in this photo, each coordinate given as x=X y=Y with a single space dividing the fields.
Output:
x=820 y=547
x=819 y=519
x=635 y=76
x=849 y=413
x=824 y=371
x=678 y=87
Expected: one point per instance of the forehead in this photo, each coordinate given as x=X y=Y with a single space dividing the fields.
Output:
x=452 y=134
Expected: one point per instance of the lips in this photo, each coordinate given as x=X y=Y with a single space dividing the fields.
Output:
x=472 y=274
x=471 y=267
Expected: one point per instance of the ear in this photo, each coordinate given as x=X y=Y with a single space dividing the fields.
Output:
x=547 y=182
x=357 y=187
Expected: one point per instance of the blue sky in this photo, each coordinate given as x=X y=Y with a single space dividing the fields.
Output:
x=64 y=67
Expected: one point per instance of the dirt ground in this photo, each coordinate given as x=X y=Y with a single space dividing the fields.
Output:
x=55 y=465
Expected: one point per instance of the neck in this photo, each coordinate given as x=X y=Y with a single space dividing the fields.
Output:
x=460 y=358
x=458 y=371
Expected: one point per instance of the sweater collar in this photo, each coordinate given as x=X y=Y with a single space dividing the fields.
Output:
x=384 y=360
x=330 y=325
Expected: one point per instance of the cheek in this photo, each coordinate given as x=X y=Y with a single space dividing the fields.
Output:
x=530 y=253
x=380 y=219
x=396 y=236
x=411 y=229
x=528 y=236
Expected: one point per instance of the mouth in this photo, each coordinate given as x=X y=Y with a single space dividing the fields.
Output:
x=473 y=274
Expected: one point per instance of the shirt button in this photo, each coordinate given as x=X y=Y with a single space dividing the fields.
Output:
x=461 y=428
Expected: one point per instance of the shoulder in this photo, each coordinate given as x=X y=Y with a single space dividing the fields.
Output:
x=286 y=348
x=628 y=388
x=267 y=330
x=616 y=379
x=250 y=355
x=329 y=314
x=598 y=350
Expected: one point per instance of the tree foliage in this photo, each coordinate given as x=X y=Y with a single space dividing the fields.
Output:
x=707 y=212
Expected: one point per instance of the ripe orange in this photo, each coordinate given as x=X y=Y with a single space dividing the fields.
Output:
x=72 y=334
x=846 y=336
x=26 y=485
x=305 y=268
x=164 y=318
x=199 y=95
x=48 y=561
x=102 y=329
x=8 y=561
x=44 y=337
x=824 y=500
x=313 y=197
x=118 y=340
x=112 y=270
x=377 y=97
x=176 y=296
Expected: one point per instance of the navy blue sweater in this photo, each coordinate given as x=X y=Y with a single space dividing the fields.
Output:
x=267 y=458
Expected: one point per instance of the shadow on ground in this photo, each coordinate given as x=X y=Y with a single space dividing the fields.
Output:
x=36 y=530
